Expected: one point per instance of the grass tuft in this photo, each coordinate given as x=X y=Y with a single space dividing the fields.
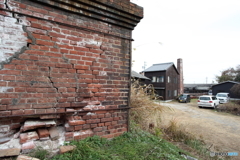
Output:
x=40 y=153
x=145 y=112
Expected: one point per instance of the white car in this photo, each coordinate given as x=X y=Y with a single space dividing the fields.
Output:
x=223 y=97
x=208 y=101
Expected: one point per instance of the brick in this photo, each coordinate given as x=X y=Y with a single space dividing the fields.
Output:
x=43 y=133
x=98 y=129
x=29 y=136
x=76 y=122
x=28 y=147
x=69 y=136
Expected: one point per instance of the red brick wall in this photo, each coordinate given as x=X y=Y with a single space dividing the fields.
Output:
x=57 y=59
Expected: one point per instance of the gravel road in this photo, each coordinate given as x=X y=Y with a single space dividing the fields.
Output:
x=221 y=130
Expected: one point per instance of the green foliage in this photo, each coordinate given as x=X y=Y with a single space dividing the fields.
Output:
x=40 y=153
x=230 y=74
x=134 y=145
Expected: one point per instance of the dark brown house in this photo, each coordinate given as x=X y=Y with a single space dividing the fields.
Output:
x=165 y=79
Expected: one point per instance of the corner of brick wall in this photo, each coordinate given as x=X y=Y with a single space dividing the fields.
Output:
x=58 y=61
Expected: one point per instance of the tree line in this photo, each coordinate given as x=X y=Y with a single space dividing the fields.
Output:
x=231 y=74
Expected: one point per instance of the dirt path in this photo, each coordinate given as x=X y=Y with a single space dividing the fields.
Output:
x=221 y=130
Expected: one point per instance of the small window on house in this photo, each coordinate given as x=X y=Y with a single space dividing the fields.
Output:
x=169 y=93
x=154 y=79
x=161 y=79
x=168 y=79
x=175 y=93
x=158 y=79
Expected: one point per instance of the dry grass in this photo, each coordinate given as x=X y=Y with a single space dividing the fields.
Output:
x=144 y=112
x=232 y=107
x=175 y=132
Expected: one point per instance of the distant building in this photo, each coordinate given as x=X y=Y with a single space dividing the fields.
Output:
x=197 y=88
x=140 y=77
x=165 y=78
x=224 y=87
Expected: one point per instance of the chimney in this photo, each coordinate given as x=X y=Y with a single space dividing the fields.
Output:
x=180 y=77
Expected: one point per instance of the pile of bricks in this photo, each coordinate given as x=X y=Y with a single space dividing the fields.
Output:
x=51 y=134
x=101 y=123
x=33 y=133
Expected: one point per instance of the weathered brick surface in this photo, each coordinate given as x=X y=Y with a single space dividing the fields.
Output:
x=53 y=62
x=28 y=136
x=42 y=133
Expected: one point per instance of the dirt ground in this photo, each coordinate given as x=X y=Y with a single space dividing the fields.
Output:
x=217 y=129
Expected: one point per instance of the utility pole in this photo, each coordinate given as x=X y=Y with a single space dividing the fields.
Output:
x=144 y=66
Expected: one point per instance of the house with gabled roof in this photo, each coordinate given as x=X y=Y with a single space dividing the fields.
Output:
x=165 y=78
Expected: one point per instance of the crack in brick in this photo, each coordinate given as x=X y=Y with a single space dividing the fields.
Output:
x=50 y=79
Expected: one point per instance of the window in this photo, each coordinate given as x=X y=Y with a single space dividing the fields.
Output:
x=168 y=79
x=161 y=79
x=175 y=93
x=175 y=80
x=154 y=79
x=169 y=93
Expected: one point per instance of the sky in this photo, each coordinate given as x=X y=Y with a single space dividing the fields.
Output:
x=204 y=33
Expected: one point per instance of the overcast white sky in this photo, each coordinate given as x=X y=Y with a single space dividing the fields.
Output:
x=204 y=33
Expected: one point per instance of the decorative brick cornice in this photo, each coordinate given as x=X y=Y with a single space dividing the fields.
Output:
x=121 y=13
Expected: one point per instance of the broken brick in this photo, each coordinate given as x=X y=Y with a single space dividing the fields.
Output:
x=29 y=136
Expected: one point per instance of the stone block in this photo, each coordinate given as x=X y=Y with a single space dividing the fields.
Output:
x=4 y=140
x=33 y=124
x=64 y=149
x=54 y=133
x=10 y=152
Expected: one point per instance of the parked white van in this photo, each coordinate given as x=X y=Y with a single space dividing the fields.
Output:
x=223 y=97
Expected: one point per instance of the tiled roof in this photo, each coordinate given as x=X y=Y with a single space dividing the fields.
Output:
x=137 y=75
x=159 y=67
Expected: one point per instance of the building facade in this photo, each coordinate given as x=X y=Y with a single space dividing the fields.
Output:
x=165 y=79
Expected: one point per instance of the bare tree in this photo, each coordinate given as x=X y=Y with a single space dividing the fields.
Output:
x=230 y=74
x=236 y=90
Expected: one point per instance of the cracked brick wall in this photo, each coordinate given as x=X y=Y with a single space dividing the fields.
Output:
x=68 y=61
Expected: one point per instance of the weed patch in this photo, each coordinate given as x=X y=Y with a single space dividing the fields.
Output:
x=134 y=145
x=232 y=107
x=40 y=153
